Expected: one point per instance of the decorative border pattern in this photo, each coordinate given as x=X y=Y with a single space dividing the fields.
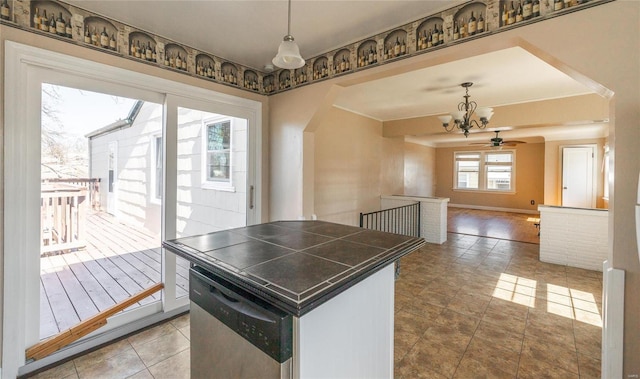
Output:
x=455 y=25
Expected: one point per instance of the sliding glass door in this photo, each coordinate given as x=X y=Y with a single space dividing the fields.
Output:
x=88 y=205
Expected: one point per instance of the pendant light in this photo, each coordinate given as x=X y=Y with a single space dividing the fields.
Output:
x=288 y=53
x=462 y=117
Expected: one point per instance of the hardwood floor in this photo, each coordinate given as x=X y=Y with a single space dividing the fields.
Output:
x=502 y=225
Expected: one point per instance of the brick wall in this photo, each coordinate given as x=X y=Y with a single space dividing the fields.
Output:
x=574 y=237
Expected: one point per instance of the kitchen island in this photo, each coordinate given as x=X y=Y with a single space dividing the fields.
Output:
x=335 y=281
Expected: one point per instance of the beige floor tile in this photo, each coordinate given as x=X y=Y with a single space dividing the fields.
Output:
x=410 y=323
x=420 y=307
x=469 y=304
x=121 y=365
x=186 y=332
x=174 y=367
x=403 y=342
x=449 y=337
x=533 y=368
x=589 y=367
x=588 y=339
x=427 y=357
x=472 y=369
x=161 y=348
x=505 y=317
x=102 y=354
x=561 y=356
x=65 y=370
x=490 y=354
x=181 y=321
x=144 y=374
x=404 y=370
x=151 y=334
x=449 y=321
x=499 y=336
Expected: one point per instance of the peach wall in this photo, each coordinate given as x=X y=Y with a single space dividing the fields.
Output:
x=529 y=180
x=553 y=170
x=419 y=170
x=354 y=165
x=572 y=43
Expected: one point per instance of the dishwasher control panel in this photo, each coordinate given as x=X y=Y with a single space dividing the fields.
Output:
x=268 y=328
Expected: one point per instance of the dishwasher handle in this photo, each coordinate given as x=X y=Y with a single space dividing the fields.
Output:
x=240 y=305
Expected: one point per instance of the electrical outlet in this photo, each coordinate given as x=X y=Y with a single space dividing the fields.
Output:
x=533 y=202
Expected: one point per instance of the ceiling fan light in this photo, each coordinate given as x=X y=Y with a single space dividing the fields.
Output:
x=445 y=119
x=288 y=54
x=458 y=115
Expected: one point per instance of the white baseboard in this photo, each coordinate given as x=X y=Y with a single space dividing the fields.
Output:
x=497 y=209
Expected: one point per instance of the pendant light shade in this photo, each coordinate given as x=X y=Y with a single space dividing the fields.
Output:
x=288 y=53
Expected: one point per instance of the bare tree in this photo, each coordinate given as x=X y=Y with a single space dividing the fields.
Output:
x=53 y=134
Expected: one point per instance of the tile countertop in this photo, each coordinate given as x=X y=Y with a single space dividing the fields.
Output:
x=295 y=265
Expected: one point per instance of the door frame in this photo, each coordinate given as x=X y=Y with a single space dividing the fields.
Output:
x=112 y=186
x=594 y=171
x=21 y=190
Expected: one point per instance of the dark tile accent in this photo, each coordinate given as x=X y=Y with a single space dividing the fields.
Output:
x=261 y=231
x=334 y=230
x=249 y=253
x=297 y=272
x=345 y=252
x=212 y=241
x=378 y=239
x=301 y=225
x=298 y=240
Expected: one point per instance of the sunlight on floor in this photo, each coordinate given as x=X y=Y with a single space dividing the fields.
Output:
x=562 y=301
x=574 y=304
x=516 y=289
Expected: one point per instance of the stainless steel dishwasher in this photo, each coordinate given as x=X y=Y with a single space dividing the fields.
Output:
x=234 y=334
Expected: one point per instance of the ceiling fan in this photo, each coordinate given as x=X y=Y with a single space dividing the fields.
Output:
x=497 y=142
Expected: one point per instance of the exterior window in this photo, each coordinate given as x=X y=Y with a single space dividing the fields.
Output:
x=485 y=171
x=218 y=159
x=467 y=170
x=158 y=167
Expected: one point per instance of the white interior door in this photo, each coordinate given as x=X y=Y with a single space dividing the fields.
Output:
x=578 y=177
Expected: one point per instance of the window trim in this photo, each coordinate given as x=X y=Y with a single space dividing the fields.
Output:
x=482 y=172
x=220 y=185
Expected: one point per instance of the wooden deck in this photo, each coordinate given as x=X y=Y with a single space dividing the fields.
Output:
x=117 y=262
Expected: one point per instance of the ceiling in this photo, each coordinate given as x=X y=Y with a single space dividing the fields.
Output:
x=249 y=32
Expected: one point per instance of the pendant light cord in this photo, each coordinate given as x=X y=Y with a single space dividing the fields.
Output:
x=289 y=20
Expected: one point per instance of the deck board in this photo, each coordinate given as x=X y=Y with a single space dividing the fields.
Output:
x=117 y=262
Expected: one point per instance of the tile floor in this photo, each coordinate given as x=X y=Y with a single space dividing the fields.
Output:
x=472 y=308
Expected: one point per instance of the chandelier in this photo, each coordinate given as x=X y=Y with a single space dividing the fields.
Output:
x=462 y=117
x=288 y=56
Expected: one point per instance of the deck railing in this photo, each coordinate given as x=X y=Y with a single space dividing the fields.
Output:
x=401 y=220
x=63 y=209
x=91 y=184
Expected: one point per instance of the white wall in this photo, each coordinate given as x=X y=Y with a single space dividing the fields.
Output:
x=134 y=171
x=202 y=209
x=199 y=209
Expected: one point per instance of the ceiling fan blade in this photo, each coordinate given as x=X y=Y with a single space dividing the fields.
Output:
x=514 y=142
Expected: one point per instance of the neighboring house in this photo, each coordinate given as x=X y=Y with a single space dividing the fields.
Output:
x=127 y=156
